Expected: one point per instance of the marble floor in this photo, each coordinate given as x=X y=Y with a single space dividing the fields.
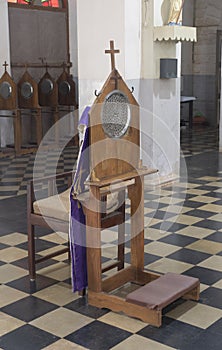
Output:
x=183 y=234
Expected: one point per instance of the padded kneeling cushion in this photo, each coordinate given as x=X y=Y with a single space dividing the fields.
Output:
x=163 y=291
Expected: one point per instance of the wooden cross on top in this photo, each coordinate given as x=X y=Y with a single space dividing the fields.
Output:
x=64 y=66
x=5 y=65
x=112 y=52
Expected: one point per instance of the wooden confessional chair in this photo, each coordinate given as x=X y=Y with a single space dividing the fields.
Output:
x=115 y=164
x=52 y=211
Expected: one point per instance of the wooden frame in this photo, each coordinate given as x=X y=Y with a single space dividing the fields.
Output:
x=10 y=105
x=38 y=220
x=33 y=220
x=122 y=154
x=70 y=98
x=99 y=290
x=31 y=103
x=116 y=166
x=17 y=114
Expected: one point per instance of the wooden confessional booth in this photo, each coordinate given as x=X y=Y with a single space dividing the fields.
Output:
x=8 y=102
x=115 y=166
x=29 y=105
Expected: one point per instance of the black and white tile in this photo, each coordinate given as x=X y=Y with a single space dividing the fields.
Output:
x=182 y=235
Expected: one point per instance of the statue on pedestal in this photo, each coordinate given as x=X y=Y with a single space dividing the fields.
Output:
x=175 y=14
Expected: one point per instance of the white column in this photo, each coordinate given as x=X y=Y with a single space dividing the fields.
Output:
x=6 y=124
x=160 y=98
x=98 y=21
x=133 y=13
x=4 y=30
x=73 y=44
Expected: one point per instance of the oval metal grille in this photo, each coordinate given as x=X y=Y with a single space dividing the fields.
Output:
x=64 y=88
x=5 y=90
x=116 y=114
x=46 y=86
x=26 y=90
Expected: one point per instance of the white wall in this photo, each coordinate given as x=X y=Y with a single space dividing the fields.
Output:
x=4 y=30
x=132 y=31
x=99 y=21
x=73 y=44
x=133 y=44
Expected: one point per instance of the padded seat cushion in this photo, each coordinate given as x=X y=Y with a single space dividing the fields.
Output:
x=163 y=291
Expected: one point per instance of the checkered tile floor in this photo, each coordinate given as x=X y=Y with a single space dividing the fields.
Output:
x=16 y=171
x=199 y=139
x=183 y=234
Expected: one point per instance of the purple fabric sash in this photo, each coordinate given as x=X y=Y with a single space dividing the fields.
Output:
x=77 y=231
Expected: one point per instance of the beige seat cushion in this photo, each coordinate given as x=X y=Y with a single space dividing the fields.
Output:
x=57 y=206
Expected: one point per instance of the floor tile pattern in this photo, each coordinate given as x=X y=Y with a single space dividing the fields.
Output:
x=183 y=236
x=16 y=171
x=193 y=141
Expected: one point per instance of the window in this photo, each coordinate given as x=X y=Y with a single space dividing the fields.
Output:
x=48 y=3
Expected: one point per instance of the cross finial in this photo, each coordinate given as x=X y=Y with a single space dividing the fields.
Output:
x=5 y=65
x=112 y=52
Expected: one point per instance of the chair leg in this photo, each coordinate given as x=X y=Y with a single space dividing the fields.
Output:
x=56 y=125
x=121 y=245
x=18 y=132
x=38 y=118
x=69 y=253
x=82 y=292
x=121 y=231
x=31 y=252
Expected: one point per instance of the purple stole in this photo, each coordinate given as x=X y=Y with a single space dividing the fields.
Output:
x=77 y=231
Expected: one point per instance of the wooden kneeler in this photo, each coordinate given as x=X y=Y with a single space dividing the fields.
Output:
x=115 y=166
x=163 y=291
